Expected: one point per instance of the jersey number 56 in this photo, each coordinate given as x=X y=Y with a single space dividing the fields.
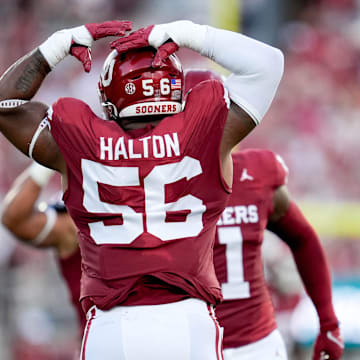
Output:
x=155 y=206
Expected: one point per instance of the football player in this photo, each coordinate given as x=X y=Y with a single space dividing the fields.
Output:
x=260 y=201
x=49 y=227
x=146 y=188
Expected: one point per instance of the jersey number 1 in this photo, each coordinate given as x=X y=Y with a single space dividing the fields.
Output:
x=236 y=287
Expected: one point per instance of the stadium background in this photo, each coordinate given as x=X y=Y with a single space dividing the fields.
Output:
x=314 y=124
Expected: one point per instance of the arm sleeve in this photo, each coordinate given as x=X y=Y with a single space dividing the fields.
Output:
x=256 y=67
x=310 y=260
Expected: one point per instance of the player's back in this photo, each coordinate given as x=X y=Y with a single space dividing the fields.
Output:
x=247 y=311
x=145 y=201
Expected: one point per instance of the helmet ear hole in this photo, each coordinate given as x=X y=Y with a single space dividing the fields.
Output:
x=133 y=87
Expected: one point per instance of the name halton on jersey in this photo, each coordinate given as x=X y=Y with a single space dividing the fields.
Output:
x=241 y=214
x=155 y=146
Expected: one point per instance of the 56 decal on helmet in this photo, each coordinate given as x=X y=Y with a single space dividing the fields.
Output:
x=130 y=86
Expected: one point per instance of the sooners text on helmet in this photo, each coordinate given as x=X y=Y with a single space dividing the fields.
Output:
x=155 y=109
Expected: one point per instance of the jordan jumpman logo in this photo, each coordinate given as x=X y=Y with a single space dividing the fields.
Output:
x=246 y=176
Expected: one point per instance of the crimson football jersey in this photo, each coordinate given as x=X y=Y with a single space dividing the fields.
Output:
x=146 y=201
x=71 y=271
x=246 y=312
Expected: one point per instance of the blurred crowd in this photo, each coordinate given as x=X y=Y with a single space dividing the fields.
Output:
x=314 y=121
x=314 y=124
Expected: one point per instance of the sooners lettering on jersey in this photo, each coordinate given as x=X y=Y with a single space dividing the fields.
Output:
x=246 y=312
x=145 y=202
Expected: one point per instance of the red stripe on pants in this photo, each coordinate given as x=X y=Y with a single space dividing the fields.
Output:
x=219 y=348
x=86 y=334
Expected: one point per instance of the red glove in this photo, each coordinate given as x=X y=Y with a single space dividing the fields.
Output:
x=139 y=39
x=136 y=40
x=163 y=52
x=108 y=28
x=98 y=31
x=328 y=345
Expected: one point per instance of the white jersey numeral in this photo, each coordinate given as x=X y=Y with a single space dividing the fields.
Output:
x=236 y=287
x=155 y=206
x=148 y=87
x=164 y=86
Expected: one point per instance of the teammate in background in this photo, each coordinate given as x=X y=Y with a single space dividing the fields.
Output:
x=260 y=201
x=52 y=228
x=146 y=189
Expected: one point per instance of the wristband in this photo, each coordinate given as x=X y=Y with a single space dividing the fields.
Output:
x=184 y=33
x=40 y=174
x=12 y=103
x=58 y=45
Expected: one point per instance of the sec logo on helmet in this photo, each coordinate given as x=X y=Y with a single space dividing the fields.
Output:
x=130 y=88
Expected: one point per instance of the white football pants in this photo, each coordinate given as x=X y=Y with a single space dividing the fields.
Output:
x=184 y=330
x=271 y=347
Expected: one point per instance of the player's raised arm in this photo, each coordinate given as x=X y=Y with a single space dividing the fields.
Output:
x=256 y=67
x=19 y=117
x=256 y=71
x=35 y=227
x=288 y=222
x=21 y=120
